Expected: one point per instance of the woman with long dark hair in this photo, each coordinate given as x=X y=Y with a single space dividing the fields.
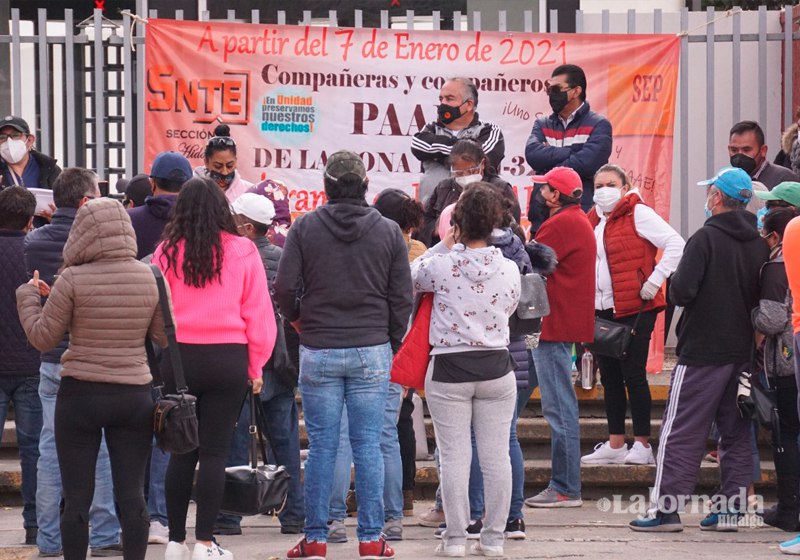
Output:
x=220 y=164
x=225 y=335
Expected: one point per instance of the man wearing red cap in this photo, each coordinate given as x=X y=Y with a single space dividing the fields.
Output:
x=570 y=290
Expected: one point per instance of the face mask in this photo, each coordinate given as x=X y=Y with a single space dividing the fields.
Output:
x=219 y=178
x=744 y=162
x=760 y=218
x=558 y=100
x=539 y=210
x=467 y=179
x=448 y=113
x=707 y=210
x=607 y=198
x=13 y=150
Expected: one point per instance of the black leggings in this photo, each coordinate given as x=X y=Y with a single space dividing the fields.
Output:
x=408 y=441
x=217 y=375
x=84 y=410
x=630 y=373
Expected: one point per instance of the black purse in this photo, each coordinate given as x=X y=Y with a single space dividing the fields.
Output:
x=612 y=339
x=175 y=416
x=280 y=363
x=759 y=403
x=254 y=489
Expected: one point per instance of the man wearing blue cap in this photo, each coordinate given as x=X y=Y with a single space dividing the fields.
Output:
x=716 y=283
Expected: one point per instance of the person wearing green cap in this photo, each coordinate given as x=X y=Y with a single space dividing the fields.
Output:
x=784 y=194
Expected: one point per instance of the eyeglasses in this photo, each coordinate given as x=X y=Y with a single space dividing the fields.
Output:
x=465 y=172
x=221 y=141
x=13 y=136
x=557 y=89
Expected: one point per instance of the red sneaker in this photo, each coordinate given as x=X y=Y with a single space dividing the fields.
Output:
x=308 y=550
x=375 y=550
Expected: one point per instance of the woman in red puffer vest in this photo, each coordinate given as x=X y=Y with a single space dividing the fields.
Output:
x=629 y=277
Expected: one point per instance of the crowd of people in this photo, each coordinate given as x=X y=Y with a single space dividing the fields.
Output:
x=335 y=292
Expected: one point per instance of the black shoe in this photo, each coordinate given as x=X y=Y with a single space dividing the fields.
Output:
x=783 y=520
x=30 y=535
x=227 y=530
x=108 y=550
x=473 y=531
x=291 y=529
x=515 y=530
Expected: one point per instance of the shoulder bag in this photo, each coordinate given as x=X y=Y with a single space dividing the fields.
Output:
x=759 y=403
x=175 y=416
x=612 y=339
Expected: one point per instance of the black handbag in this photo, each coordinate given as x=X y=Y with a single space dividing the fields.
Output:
x=175 y=416
x=280 y=363
x=612 y=339
x=254 y=489
x=759 y=403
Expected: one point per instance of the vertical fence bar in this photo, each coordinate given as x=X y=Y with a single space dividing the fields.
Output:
x=69 y=80
x=99 y=98
x=528 y=26
x=762 y=64
x=141 y=8
x=127 y=62
x=788 y=114
x=333 y=18
x=409 y=19
x=178 y=15
x=631 y=21
x=384 y=19
x=255 y=16
x=16 y=62
x=205 y=15
x=476 y=21
x=437 y=20
x=281 y=17
x=684 y=125
x=710 y=101
x=554 y=21
x=736 y=75
x=501 y=20
x=358 y=18
x=578 y=21
x=44 y=84
x=542 y=16
x=605 y=25
x=658 y=21
x=306 y=17
x=456 y=21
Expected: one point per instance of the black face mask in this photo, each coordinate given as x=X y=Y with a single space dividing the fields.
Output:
x=448 y=113
x=746 y=163
x=558 y=100
x=219 y=178
x=539 y=210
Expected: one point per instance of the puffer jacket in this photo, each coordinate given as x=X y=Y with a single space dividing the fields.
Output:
x=105 y=298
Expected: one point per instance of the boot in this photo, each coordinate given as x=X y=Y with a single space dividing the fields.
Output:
x=408 y=503
x=785 y=515
x=352 y=504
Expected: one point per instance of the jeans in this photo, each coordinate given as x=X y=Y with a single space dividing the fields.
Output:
x=105 y=528
x=560 y=409
x=156 y=497
x=392 y=463
x=330 y=380
x=23 y=391
x=476 y=492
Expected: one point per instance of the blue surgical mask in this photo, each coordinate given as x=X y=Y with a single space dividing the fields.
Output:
x=760 y=217
x=707 y=210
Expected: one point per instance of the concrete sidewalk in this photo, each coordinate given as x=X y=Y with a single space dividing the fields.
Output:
x=561 y=533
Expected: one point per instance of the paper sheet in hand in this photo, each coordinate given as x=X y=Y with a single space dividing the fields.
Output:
x=44 y=198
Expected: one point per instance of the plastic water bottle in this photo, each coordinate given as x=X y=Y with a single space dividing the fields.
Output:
x=587 y=370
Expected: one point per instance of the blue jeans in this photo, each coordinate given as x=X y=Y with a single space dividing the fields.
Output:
x=23 y=391
x=476 y=497
x=156 y=496
x=392 y=463
x=560 y=409
x=102 y=515
x=331 y=379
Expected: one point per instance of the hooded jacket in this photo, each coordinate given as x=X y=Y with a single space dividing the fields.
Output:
x=717 y=284
x=344 y=274
x=106 y=299
x=474 y=293
x=149 y=220
x=17 y=356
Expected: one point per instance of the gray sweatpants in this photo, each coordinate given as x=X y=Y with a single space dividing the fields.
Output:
x=698 y=395
x=488 y=407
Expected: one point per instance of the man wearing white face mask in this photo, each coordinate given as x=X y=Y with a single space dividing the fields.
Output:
x=20 y=163
x=628 y=290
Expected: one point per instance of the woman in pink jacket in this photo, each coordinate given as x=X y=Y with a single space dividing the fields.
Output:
x=225 y=333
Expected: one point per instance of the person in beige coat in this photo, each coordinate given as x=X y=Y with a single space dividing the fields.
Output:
x=109 y=303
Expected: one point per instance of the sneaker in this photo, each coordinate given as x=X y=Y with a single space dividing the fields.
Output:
x=790 y=547
x=640 y=455
x=375 y=550
x=432 y=518
x=603 y=454
x=550 y=498
x=44 y=554
x=291 y=529
x=30 y=535
x=515 y=530
x=308 y=550
x=473 y=530
x=337 y=532
x=158 y=533
x=661 y=523
x=177 y=551
x=213 y=552
x=107 y=551
x=450 y=551
x=712 y=456
x=480 y=549
x=722 y=522
x=393 y=530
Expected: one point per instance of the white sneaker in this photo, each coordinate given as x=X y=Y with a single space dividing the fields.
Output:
x=158 y=534
x=215 y=552
x=479 y=549
x=452 y=551
x=640 y=455
x=177 y=551
x=604 y=455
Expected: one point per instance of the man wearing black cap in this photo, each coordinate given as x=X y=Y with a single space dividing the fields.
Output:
x=136 y=190
x=345 y=283
x=20 y=163
x=169 y=172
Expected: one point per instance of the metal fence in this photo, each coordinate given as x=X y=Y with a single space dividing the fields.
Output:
x=81 y=84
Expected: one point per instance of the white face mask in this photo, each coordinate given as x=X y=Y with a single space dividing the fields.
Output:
x=467 y=179
x=13 y=150
x=607 y=198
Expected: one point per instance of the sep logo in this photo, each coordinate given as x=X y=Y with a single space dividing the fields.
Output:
x=227 y=96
